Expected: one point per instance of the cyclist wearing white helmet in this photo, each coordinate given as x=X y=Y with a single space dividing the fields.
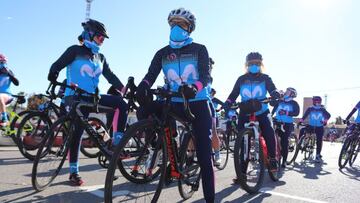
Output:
x=185 y=65
x=6 y=78
x=285 y=111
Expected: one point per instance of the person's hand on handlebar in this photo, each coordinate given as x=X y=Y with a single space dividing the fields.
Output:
x=188 y=90
x=52 y=76
x=143 y=95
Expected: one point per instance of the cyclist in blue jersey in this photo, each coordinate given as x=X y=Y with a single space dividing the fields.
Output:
x=318 y=117
x=254 y=84
x=285 y=111
x=84 y=66
x=185 y=65
x=6 y=78
x=356 y=108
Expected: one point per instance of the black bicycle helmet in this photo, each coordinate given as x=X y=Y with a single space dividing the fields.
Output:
x=316 y=99
x=253 y=56
x=96 y=27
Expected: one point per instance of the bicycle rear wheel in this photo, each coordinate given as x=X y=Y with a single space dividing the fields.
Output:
x=14 y=124
x=31 y=131
x=189 y=168
x=224 y=149
x=293 y=140
x=131 y=157
x=249 y=170
x=345 y=153
x=51 y=155
x=88 y=147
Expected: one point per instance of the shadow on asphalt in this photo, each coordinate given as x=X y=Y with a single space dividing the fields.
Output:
x=310 y=169
x=351 y=172
x=84 y=168
x=72 y=196
x=14 y=161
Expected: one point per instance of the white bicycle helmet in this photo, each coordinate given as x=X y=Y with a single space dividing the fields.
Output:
x=183 y=14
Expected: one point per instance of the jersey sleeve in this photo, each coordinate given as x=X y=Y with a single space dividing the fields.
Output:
x=110 y=76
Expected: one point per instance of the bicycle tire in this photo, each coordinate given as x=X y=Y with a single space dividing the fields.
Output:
x=344 y=153
x=243 y=177
x=133 y=136
x=114 y=164
x=92 y=151
x=190 y=166
x=292 y=147
x=43 y=124
x=275 y=175
x=309 y=147
x=14 y=125
x=51 y=140
x=224 y=150
x=354 y=152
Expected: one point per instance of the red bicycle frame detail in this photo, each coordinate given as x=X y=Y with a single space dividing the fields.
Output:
x=173 y=172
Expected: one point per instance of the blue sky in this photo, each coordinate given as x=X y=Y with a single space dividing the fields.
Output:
x=312 y=45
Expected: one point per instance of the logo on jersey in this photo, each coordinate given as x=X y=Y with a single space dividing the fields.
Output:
x=4 y=81
x=253 y=91
x=86 y=69
x=171 y=57
x=316 y=116
x=172 y=76
x=284 y=107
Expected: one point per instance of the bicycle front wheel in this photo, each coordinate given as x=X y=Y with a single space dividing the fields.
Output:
x=140 y=160
x=224 y=149
x=355 y=151
x=31 y=131
x=292 y=148
x=249 y=162
x=51 y=155
x=345 y=153
x=189 y=168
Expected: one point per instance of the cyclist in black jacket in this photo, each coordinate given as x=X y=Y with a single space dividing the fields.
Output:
x=254 y=85
x=84 y=66
x=185 y=65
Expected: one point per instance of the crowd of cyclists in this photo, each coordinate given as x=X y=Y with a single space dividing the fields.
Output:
x=187 y=68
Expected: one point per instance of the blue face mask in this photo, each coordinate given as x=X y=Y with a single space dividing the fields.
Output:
x=177 y=34
x=254 y=68
x=93 y=46
x=287 y=98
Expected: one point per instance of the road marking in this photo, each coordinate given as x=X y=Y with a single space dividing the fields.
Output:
x=268 y=191
x=98 y=191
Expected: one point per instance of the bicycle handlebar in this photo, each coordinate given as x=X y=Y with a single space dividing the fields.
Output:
x=169 y=94
x=78 y=90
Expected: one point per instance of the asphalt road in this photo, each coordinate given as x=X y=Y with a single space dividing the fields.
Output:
x=302 y=182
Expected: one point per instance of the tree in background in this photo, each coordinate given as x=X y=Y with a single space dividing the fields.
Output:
x=34 y=101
